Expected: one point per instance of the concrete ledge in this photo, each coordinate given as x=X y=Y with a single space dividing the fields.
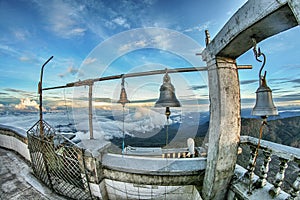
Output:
x=14 y=139
x=154 y=166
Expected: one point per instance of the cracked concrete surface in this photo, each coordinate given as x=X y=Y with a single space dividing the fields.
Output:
x=18 y=182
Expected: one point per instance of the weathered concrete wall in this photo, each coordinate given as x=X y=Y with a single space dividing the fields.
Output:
x=122 y=190
x=193 y=179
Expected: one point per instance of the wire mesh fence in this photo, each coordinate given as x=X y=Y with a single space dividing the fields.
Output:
x=58 y=162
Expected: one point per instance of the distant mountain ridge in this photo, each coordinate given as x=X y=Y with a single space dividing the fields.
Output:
x=283 y=131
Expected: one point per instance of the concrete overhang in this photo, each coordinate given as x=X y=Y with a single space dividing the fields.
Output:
x=256 y=19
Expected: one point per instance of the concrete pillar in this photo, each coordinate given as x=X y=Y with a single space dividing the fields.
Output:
x=224 y=127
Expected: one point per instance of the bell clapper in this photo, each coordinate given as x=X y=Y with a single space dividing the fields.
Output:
x=167 y=113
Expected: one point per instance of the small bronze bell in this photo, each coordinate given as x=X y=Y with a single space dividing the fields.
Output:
x=264 y=105
x=123 y=96
x=167 y=96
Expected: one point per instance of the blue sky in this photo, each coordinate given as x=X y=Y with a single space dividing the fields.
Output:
x=74 y=33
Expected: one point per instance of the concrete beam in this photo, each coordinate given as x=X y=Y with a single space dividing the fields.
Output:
x=256 y=18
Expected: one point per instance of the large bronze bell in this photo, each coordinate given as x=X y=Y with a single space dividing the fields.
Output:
x=167 y=96
x=167 y=99
x=264 y=105
x=123 y=95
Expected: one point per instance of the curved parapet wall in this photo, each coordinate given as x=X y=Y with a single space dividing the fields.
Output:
x=14 y=139
x=152 y=165
x=154 y=171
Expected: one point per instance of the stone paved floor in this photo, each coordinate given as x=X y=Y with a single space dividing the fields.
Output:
x=17 y=181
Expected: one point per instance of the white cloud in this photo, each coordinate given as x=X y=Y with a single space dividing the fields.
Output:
x=64 y=19
x=121 y=22
x=77 y=31
x=89 y=61
x=28 y=59
x=8 y=50
x=70 y=70
x=134 y=45
x=199 y=28
x=19 y=54
x=27 y=104
x=24 y=58
x=21 y=34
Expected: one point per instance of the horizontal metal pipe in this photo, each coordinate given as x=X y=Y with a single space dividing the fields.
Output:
x=137 y=74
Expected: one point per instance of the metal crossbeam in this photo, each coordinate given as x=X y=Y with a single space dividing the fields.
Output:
x=136 y=74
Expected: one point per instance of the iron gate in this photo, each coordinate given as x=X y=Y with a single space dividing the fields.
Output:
x=58 y=162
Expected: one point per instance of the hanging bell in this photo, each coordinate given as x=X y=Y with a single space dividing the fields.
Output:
x=167 y=96
x=123 y=96
x=264 y=105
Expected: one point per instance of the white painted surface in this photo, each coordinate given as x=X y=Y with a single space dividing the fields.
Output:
x=13 y=143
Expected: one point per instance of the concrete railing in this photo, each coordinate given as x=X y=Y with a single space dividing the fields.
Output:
x=14 y=139
x=247 y=185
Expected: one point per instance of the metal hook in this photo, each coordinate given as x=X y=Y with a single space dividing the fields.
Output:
x=123 y=80
x=257 y=54
x=166 y=77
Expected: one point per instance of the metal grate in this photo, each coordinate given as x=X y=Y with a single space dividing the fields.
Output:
x=58 y=162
